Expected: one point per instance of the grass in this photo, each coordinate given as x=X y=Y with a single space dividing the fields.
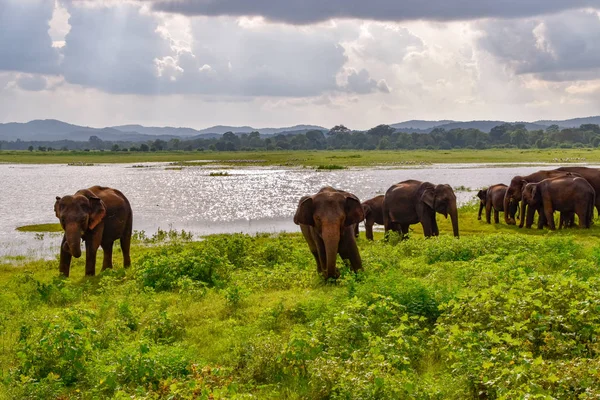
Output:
x=40 y=228
x=330 y=167
x=502 y=312
x=311 y=158
x=219 y=173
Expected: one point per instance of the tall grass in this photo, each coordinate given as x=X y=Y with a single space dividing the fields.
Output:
x=499 y=313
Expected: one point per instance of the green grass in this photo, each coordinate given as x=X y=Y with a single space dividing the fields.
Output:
x=40 y=228
x=219 y=173
x=502 y=312
x=330 y=167
x=311 y=158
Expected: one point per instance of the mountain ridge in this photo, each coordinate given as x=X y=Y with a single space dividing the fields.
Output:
x=54 y=130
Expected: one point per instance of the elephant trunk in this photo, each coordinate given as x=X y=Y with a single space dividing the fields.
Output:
x=508 y=218
x=331 y=240
x=73 y=239
x=454 y=218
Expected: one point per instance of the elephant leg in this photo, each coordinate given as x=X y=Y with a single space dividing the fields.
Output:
x=108 y=252
x=126 y=244
x=90 y=258
x=549 y=216
x=529 y=217
x=426 y=223
x=64 y=264
x=126 y=247
x=488 y=212
x=349 y=251
x=311 y=242
x=434 y=226
x=481 y=205
x=404 y=231
x=496 y=217
x=369 y=229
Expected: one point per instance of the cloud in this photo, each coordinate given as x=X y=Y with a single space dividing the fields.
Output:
x=32 y=83
x=228 y=58
x=25 y=44
x=561 y=47
x=311 y=11
x=113 y=48
x=361 y=83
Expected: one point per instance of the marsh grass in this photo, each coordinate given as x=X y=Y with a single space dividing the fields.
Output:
x=220 y=173
x=312 y=158
x=40 y=228
x=493 y=314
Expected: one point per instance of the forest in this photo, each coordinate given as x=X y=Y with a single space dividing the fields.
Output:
x=381 y=137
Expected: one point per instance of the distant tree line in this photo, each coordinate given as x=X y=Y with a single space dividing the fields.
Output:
x=382 y=137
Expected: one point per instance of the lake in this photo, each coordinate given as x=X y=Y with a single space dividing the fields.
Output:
x=251 y=199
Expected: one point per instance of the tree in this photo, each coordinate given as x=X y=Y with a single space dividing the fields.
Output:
x=174 y=143
x=159 y=144
x=553 y=129
x=144 y=147
x=115 y=147
x=338 y=129
x=381 y=131
x=30 y=148
x=96 y=142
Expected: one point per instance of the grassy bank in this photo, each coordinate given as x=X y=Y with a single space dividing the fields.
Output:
x=500 y=313
x=312 y=158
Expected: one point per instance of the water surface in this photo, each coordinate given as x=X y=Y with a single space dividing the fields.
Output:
x=251 y=199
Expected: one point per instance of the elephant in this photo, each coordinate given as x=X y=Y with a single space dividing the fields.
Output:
x=373 y=209
x=327 y=220
x=410 y=202
x=515 y=189
x=493 y=198
x=98 y=216
x=592 y=175
x=567 y=194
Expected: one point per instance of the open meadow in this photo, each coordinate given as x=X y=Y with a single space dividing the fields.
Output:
x=501 y=312
x=311 y=158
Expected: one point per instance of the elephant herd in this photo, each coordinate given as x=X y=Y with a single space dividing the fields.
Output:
x=568 y=190
x=329 y=219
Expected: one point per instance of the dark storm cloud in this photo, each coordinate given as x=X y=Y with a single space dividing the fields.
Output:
x=311 y=11
x=113 y=49
x=25 y=44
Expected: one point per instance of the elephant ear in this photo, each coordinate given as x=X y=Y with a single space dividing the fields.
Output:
x=354 y=210
x=428 y=197
x=366 y=209
x=535 y=192
x=56 y=207
x=304 y=212
x=482 y=193
x=97 y=212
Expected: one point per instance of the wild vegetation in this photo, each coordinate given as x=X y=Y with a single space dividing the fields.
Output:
x=381 y=137
x=499 y=313
x=301 y=158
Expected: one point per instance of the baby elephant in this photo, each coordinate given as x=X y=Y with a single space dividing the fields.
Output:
x=373 y=209
x=98 y=216
x=493 y=198
x=327 y=220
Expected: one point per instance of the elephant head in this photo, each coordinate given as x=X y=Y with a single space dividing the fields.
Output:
x=77 y=215
x=441 y=199
x=512 y=196
x=329 y=213
x=482 y=194
x=530 y=196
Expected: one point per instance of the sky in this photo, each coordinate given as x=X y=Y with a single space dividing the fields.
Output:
x=273 y=63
